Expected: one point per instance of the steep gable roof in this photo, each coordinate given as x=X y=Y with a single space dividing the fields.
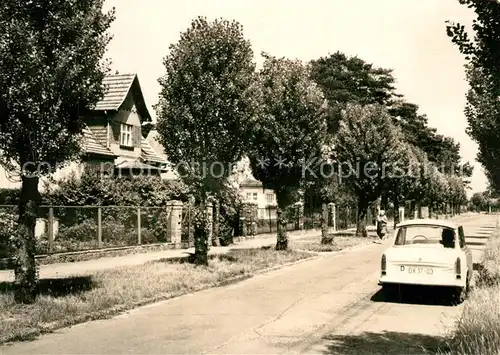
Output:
x=149 y=154
x=153 y=142
x=118 y=87
x=92 y=146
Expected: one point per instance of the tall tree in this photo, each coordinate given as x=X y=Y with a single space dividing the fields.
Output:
x=345 y=79
x=51 y=71
x=437 y=190
x=482 y=54
x=457 y=194
x=367 y=148
x=205 y=108
x=408 y=182
x=443 y=151
x=290 y=130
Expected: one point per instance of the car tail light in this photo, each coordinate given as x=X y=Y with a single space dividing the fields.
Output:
x=458 y=268
x=383 y=264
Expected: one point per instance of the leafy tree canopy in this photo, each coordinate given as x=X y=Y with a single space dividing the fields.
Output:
x=482 y=53
x=290 y=127
x=368 y=147
x=206 y=102
x=345 y=79
x=51 y=72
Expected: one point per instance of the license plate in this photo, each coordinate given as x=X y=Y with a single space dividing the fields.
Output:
x=417 y=270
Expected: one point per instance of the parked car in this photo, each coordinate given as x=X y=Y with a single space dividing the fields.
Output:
x=427 y=252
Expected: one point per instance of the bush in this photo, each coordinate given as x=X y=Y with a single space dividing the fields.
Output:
x=158 y=224
x=250 y=212
x=92 y=189
x=8 y=224
x=82 y=232
x=9 y=196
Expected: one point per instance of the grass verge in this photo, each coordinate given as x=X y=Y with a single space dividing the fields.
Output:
x=68 y=301
x=340 y=242
x=478 y=329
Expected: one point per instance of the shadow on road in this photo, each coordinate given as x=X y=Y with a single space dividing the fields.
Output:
x=425 y=295
x=59 y=287
x=386 y=343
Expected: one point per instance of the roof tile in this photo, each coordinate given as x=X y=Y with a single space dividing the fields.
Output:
x=92 y=146
x=149 y=154
x=118 y=86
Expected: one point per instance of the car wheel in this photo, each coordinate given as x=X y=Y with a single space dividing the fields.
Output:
x=460 y=294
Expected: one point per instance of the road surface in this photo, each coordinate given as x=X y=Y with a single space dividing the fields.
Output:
x=331 y=305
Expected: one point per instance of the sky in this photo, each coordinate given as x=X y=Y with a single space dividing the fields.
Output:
x=407 y=36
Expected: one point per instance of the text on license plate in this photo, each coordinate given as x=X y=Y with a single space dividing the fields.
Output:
x=417 y=270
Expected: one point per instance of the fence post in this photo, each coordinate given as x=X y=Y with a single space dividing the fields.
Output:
x=139 y=226
x=332 y=210
x=270 y=221
x=357 y=217
x=50 y=230
x=99 y=227
x=300 y=215
x=175 y=223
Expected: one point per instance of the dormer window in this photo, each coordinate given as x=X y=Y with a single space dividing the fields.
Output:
x=126 y=135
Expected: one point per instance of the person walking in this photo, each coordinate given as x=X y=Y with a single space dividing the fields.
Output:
x=381 y=225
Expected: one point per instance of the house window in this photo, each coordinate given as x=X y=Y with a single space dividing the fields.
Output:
x=270 y=198
x=255 y=196
x=126 y=135
x=249 y=196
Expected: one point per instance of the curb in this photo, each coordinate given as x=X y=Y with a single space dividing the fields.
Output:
x=117 y=310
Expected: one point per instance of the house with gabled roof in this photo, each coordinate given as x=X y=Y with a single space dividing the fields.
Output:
x=113 y=131
x=112 y=135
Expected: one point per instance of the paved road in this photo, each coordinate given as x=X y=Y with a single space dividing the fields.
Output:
x=329 y=306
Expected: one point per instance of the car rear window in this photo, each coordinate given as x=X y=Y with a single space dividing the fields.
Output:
x=426 y=234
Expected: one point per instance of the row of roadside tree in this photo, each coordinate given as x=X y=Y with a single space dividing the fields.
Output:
x=333 y=128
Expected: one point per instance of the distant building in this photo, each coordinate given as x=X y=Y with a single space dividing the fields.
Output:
x=252 y=191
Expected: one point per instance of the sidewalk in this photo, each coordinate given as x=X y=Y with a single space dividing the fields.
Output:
x=85 y=267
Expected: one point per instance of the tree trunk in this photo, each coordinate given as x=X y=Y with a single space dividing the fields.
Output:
x=396 y=212
x=361 y=219
x=325 y=238
x=282 y=237
x=25 y=269
x=384 y=201
x=419 y=209
x=216 y=224
x=201 y=235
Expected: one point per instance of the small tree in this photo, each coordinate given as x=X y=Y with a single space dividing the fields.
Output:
x=478 y=201
x=419 y=185
x=437 y=190
x=290 y=128
x=458 y=196
x=369 y=144
x=50 y=73
x=405 y=183
x=205 y=106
